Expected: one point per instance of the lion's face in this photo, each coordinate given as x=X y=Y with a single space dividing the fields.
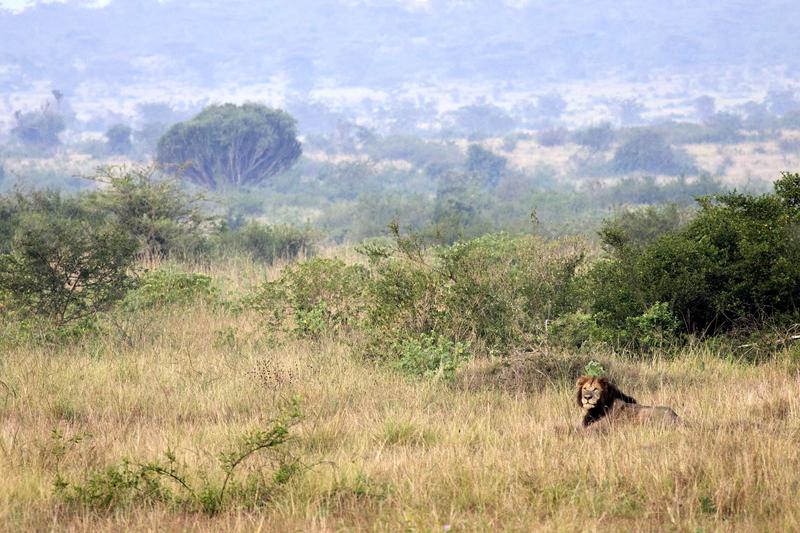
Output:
x=591 y=391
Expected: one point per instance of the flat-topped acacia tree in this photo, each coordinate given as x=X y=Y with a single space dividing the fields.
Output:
x=228 y=146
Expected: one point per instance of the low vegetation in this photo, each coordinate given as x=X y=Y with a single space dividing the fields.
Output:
x=165 y=364
x=88 y=424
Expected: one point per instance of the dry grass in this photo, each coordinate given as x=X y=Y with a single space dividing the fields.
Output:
x=389 y=453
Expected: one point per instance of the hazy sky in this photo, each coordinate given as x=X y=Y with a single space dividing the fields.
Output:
x=13 y=4
x=16 y=5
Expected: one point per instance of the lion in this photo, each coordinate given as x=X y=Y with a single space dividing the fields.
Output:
x=602 y=401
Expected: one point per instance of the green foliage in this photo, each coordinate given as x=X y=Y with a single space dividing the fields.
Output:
x=456 y=210
x=314 y=297
x=576 y=330
x=638 y=227
x=491 y=293
x=430 y=356
x=231 y=146
x=655 y=328
x=64 y=262
x=595 y=369
x=169 y=481
x=496 y=291
x=646 y=190
x=264 y=243
x=167 y=286
x=735 y=264
x=164 y=219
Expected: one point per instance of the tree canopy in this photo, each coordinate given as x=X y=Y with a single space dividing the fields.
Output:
x=231 y=146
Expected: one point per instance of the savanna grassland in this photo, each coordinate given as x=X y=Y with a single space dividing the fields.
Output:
x=372 y=448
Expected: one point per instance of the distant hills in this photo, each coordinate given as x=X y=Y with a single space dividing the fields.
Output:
x=384 y=43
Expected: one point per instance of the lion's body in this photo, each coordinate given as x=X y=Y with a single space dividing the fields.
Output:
x=602 y=401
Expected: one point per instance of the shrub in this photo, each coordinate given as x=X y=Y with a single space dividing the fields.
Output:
x=735 y=264
x=64 y=263
x=164 y=219
x=264 y=243
x=654 y=328
x=495 y=291
x=456 y=213
x=166 y=286
x=430 y=356
x=313 y=297
x=169 y=481
x=638 y=227
x=575 y=330
x=491 y=293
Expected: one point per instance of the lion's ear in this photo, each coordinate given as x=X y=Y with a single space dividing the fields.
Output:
x=581 y=381
x=603 y=381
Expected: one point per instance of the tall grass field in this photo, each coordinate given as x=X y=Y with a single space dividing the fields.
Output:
x=194 y=415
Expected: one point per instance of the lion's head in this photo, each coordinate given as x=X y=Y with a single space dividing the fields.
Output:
x=591 y=391
x=596 y=394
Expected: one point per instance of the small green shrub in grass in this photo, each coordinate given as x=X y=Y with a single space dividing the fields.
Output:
x=169 y=481
x=595 y=369
x=430 y=356
x=264 y=243
x=167 y=286
x=313 y=297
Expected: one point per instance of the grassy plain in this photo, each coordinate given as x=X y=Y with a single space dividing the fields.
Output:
x=495 y=450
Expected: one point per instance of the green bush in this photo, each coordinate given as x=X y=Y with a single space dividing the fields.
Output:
x=655 y=328
x=490 y=293
x=167 y=286
x=734 y=265
x=169 y=481
x=430 y=356
x=638 y=227
x=165 y=220
x=263 y=243
x=313 y=297
x=575 y=330
x=64 y=262
x=496 y=291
